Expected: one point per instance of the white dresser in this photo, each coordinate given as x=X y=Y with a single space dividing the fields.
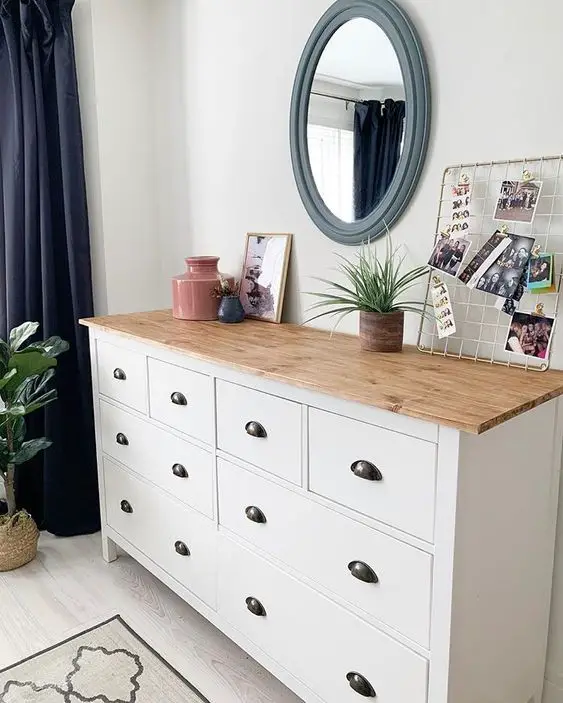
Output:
x=344 y=517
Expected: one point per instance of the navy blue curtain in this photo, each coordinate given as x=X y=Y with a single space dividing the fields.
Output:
x=378 y=135
x=45 y=270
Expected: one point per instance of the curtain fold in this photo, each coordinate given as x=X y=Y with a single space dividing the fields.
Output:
x=45 y=264
x=378 y=136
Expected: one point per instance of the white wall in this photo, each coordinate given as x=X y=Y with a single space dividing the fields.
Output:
x=497 y=93
x=116 y=55
x=188 y=109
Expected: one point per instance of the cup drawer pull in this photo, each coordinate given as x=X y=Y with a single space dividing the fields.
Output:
x=126 y=507
x=119 y=375
x=182 y=549
x=255 y=514
x=121 y=439
x=255 y=607
x=360 y=684
x=362 y=572
x=178 y=399
x=366 y=470
x=180 y=471
x=255 y=429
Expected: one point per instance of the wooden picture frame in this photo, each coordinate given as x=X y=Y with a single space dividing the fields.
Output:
x=263 y=299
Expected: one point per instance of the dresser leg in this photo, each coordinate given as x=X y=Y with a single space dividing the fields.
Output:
x=109 y=549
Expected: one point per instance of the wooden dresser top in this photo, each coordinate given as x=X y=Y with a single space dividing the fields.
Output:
x=468 y=396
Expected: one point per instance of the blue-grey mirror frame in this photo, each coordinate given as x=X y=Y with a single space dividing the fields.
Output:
x=406 y=42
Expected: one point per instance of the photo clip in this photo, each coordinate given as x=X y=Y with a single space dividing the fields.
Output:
x=504 y=230
x=527 y=176
x=536 y=251
x=539 y=311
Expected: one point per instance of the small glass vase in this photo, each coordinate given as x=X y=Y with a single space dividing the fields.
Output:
x=230 y=309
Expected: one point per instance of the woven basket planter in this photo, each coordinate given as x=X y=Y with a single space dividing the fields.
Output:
x=18 y=541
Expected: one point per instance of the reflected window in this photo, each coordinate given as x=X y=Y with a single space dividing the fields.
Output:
x=331 y=151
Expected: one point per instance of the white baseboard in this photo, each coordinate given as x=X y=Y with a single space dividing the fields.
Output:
x=552 y=694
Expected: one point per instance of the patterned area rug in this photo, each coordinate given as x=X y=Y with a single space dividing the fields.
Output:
x=107 y=664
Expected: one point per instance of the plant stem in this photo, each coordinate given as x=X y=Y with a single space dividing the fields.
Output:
x=10 y=490
x=9 y=482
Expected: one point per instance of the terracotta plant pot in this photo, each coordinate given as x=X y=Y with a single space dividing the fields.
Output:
x=382 y=333
x=18 y=541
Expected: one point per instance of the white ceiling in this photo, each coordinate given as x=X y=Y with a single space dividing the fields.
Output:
x=360 y=52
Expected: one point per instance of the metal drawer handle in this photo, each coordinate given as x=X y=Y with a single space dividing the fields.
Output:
x=366 y=470
x=363 y=572
x=179 y=471
x=178 y=399
x=360 y=684
x=119 y=375
x=120 y=438
x=255 y=607
x=182 y=549
x=255 y=429
x=255 y=514
x=126 y=507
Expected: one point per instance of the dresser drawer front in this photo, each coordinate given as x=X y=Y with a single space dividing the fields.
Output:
x=181 y=399
x=405 y=495
x=122 y=375
x=316 y=640
x=259 y=428
x=171 y=463
x=322 y=544
x=180 y=541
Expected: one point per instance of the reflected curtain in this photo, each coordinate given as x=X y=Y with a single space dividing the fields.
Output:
x=45 y=251
x=378 y=136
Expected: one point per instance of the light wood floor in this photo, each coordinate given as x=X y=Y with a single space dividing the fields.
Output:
x=69 y=588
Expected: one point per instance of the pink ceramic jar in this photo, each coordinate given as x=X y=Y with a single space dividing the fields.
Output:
x=193 y=292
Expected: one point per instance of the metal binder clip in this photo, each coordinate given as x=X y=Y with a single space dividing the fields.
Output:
x=436 y=280
x=536 y=251
x=446 y=232
x=527 y=176
x=464 y=180
x=504 y=230
x=539 y=310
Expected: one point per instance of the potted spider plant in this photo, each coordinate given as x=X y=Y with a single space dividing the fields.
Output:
x=376 y=288
x=26 y=371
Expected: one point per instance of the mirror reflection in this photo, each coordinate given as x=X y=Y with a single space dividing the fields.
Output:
x=356 y=119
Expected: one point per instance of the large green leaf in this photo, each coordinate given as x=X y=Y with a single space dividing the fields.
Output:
x=19 y=334
x=28 y=363
x=51 y=347
x=30 y=449
x=6 y=378
x=4 y=356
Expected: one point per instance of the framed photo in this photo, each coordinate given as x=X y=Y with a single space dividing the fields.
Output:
x=541 y=272
x=264 y=275
x=530 y=335
x=518 y=201
x=449 y=254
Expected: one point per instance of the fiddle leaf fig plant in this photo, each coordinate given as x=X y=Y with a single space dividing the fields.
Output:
x=26 y=371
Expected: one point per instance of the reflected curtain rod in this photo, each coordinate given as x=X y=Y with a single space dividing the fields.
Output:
x=337 y=97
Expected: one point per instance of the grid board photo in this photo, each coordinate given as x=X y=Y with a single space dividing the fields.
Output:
x=482 y=328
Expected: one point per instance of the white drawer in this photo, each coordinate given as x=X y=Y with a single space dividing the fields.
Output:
x=159 y=456
x=275 y=445
x=182 y=399
x=314 y=638
x=122 y=375
x=404 y=494
x=161 y=527
x=321 y=544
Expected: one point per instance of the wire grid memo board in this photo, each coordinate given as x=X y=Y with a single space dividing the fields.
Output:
x=482 y=328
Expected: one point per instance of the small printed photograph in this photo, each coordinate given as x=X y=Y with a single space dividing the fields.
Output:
x=530 y=335
x=518 y=201
x=462 y=190
x=449 y=254
x=541 y=272
x=487 y=255
x=264 y=275
x=503 y=277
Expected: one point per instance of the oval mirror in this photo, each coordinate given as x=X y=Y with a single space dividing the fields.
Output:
x=360 y=119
